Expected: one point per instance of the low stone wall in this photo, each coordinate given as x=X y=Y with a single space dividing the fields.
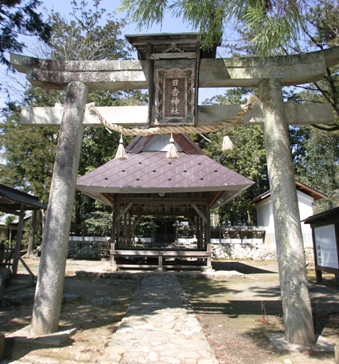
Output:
x=94 y=248
x=242 y=251
x=88 y=248
x=249 y=251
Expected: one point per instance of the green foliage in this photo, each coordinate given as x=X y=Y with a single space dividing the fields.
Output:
x=316 y=161
x=9 y=220
x=19 y=17
x=99 y=145
x=145 y=12
x=84 y=38
x=247 y=158
x=271 y=32
x=29 y=153
x=322 y=18
x=321 y=31
x=146 y=225
x=100 y=223
x=211 y=17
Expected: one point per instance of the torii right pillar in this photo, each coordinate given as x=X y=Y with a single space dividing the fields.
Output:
x=296 y=301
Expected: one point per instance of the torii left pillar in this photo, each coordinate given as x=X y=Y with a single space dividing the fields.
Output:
x=48 y=297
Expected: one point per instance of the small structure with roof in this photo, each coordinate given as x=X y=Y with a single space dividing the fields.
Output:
x=264 y=207
x=147 y=183
x=16 y=202
x=78 y=77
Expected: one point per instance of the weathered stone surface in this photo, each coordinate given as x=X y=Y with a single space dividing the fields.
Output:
x=89 y=250
x=228 y=72
x=27 y=335
x=103 y=301
x=160 y=326
x=47 y=303
x=94 y=251
x=290 y=250
x=70 y=297
x=138 y=115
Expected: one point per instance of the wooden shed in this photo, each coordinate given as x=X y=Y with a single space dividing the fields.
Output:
x=16 y=202
x=147 y=183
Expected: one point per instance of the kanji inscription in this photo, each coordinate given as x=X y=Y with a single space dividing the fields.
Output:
x=174 y=96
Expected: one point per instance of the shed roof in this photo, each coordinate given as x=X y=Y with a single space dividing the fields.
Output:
x=323 y=217
x=12 y=199
x=147 y=170
x=300 y=187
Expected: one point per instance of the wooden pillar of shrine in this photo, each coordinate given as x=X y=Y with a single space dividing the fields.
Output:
x=18 y=240
x=207 y=239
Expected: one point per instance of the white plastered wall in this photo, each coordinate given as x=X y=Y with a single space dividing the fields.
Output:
x=265 y=219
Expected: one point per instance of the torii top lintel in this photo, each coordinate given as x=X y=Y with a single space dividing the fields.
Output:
x=219 y=72
x=165 y=46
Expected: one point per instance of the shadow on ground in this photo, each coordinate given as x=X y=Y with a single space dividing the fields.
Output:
x=239 y=267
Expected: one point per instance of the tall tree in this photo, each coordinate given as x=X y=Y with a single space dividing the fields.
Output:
x=29 y=152
x=321 y=30
x=247 y=158
x=19 y=17
x=316 y=160
x=271 y=23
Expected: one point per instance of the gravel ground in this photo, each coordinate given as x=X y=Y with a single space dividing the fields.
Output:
x=235 y=315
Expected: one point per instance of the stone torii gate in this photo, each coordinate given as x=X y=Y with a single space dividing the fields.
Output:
x=268 y=75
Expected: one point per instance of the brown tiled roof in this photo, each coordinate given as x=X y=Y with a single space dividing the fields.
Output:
x=186 y=144
x=152 y=172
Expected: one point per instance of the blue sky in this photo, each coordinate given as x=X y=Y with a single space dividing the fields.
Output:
x=169 y=25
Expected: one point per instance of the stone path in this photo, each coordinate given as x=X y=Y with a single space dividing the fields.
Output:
x=159 y=327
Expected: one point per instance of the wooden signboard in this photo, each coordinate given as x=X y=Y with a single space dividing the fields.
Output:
x=174 y=96
x=325 y=246
x=325 y=230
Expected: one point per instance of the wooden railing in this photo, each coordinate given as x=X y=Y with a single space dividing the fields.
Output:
x=137 y=256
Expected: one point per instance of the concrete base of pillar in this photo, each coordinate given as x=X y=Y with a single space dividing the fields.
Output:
x=207 y=269
x=280 y=343
x=59 y=338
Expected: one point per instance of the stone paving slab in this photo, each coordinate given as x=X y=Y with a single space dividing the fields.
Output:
x=55 y=339
x=279 y=341
x=160 y=327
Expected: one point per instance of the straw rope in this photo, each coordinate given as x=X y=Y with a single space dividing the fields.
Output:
x=252 y=102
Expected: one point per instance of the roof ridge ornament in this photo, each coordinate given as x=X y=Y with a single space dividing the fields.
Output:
x=174 y=48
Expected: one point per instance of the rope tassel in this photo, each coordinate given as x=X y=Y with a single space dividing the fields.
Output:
x=227 y=144
x=121 y=154
x=172 y=152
